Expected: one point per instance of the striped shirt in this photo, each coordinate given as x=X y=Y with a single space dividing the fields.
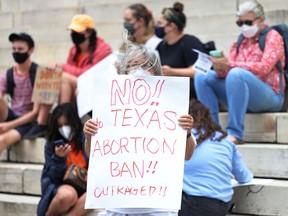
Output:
x=21 y=102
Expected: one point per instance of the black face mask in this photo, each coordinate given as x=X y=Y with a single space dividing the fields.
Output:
x=20 y=57
x=130 y=27
x=77 y=38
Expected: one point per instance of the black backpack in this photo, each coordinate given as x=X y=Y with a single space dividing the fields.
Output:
x=282 y=29
x=10 y=78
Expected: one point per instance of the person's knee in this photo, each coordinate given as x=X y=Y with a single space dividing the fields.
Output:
x=235 y=74
x=66 y=197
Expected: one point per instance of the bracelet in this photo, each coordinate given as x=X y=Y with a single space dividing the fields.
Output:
x=188 y=135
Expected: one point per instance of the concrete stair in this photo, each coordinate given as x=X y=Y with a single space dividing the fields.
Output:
x=21 y=167
x=265 y=151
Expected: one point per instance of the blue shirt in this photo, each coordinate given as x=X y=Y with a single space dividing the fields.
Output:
x=208 y=173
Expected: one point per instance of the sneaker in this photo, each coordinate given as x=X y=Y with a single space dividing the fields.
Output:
x=36 y=131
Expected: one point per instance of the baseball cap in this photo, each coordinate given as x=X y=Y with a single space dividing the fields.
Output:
x=22 y=37
x=81 y=22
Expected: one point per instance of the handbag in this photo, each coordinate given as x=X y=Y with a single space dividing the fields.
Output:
x=76 y=176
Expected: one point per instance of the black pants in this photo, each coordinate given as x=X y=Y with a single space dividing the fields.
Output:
x=202 y=206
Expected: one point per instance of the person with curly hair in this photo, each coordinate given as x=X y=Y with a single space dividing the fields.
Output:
x=207 y=187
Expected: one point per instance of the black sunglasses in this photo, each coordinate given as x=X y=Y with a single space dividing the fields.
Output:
x=246 y=22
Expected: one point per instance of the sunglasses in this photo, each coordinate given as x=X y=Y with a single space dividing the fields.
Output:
x=246 y=22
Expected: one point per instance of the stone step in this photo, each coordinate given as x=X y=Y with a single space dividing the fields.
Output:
x=260 y=129
x=266 y=160
x=262 y=199
x=263 y=127
x=28 y=151
x=16 y=205
x=20 y=178
x=4 y=155
x=267 y=198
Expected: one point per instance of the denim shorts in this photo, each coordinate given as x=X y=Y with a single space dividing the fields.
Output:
x=22 y=129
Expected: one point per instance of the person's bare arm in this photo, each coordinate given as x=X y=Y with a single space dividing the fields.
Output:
x=186 y=72
x=186 y=122
x=190 y=146
x=90 y=129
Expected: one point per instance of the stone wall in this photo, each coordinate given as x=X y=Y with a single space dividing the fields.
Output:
x=46 y=21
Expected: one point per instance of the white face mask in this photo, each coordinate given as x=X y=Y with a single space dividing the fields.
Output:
x=139 y=72
x=66 y=131
x=249 y=31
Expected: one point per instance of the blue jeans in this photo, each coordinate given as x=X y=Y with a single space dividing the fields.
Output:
x=240 y=91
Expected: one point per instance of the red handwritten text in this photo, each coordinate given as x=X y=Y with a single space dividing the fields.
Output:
x=140 y=92
x=133 y=145
x=133 y=169
x=130 y=191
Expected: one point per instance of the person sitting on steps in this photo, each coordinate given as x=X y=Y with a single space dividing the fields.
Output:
x=16 y=121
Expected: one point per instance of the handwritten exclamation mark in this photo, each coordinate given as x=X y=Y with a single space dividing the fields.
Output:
x=149 y=166
x=164 y=193
x=160 y=190
x=158 y=91
x=154 y=167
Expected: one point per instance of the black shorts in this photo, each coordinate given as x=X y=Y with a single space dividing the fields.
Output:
x=22 y=129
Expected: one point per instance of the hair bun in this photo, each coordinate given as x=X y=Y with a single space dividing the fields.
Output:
x=177 y=6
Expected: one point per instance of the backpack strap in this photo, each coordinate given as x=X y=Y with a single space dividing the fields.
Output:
x=262 y=40
x=239 y=41
x=10 y=81
x=32 y=73
x=10 y=78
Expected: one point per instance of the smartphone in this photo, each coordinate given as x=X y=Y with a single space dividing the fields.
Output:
x=59 y=142
x=215 y=53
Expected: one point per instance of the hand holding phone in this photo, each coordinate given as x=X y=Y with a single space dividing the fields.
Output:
x=59 y=142
x=215 y=53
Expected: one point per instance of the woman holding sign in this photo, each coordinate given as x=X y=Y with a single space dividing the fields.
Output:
x=142 y=62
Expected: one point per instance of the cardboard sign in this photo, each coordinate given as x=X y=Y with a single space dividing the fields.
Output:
x=137 y=156
x=47 y=85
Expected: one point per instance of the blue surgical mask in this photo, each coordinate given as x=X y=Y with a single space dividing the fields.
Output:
x=160 y=31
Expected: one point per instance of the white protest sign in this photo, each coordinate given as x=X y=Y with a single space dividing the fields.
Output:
x=85 y=83
x=137 y=156
x=203 y=63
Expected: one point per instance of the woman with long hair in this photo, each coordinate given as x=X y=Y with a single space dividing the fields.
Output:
x=88 y=50
x=207 y=187
x=58 y=198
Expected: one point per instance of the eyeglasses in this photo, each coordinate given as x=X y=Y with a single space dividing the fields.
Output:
x=246 y=22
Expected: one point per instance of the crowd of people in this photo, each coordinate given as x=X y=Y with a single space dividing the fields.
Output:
x=247 y=80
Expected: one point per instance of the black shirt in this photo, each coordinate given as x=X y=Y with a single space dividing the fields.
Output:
x=180 y=55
